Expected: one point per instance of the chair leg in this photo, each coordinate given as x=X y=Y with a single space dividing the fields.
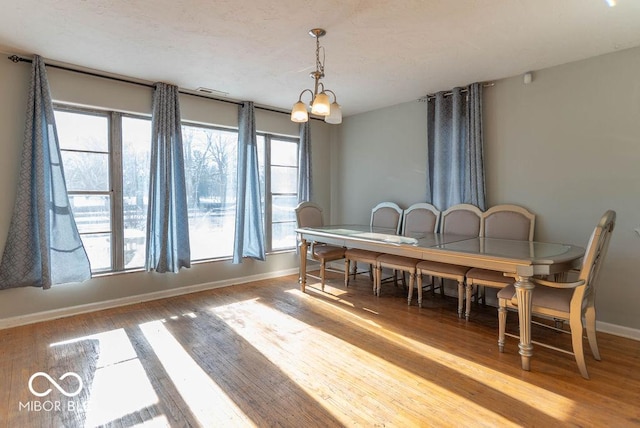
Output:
x=419 y=289
x=377 y=282
x=467 y=311
x=410 y=293
x=590 y=321
x=441 y=287
x=346 y=272
x=354 y=269
x=370 y=273
x=460 y=298
x=322 y=273
x=502 y=324
x=575 y=322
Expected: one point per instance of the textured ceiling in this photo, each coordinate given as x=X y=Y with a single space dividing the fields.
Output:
x=378 y=53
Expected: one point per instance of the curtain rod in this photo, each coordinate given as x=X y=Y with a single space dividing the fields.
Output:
x=449 y=93
x=16 y=59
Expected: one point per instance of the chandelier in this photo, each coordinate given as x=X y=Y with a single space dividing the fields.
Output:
x=320 y=103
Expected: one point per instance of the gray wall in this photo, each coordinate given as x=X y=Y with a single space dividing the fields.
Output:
x=25 y=303
x=566 y=146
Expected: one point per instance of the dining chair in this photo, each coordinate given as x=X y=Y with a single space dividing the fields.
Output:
x=461 y=219
x=309 y=214
x=501 y=222
x=567 y=301
x=416 y=220
x=387 y=215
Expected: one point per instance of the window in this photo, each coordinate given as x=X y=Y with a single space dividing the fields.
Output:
x=106 y=157
x=210 y=174
x=109 y=203
x=280 y=160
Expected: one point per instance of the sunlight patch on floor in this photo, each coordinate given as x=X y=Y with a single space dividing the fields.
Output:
x=341 y=379
x=119 y=390
x=555 y=405
x=206 y=401
x=120 y=385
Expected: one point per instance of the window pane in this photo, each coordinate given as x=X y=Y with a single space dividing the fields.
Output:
x=91 y=212
x=283 y=207
x=136 y=158
x=262 y=172
x=284 y=152
x=134 y=247
x=86 y=171
x=210 y=173
x=98 y=248
x=80 y=131
x=284 y=179
x=283 y=235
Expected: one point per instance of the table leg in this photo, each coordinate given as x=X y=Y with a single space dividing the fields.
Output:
x=524 y=288
x=303 y=264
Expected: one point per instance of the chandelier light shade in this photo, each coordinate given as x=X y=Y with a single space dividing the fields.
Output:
x=335 y=115
x=299 y=112
x=321 y=104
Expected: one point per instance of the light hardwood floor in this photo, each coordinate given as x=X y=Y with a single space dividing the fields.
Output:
x=265 y=354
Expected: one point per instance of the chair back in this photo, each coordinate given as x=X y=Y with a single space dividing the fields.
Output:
x=420 y=218
x=461 y=219
x=593 y=258
x=508 y=222
x=309 y=214
x=387 y=215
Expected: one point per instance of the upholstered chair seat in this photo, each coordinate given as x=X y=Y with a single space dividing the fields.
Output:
x=445 y=271
x=554 y=299
x=403 y=264
x=363 y=256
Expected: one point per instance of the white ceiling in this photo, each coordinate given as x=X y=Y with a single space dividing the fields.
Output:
x=378 y=52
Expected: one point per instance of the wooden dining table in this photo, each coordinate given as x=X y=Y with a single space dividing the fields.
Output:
x=519 y=259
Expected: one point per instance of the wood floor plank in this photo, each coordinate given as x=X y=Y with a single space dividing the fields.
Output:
x=265 y=354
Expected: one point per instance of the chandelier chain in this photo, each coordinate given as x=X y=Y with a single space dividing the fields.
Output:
x=319 y=64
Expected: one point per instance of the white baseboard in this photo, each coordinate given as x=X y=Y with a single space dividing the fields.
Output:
x=618 y=330
x=130 y=300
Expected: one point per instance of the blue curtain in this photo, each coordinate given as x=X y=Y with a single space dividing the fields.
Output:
x=167 y=218
x=455 y=172
x=304 y=163
x=43 y=246
x=249 y=237
x=474 y=186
